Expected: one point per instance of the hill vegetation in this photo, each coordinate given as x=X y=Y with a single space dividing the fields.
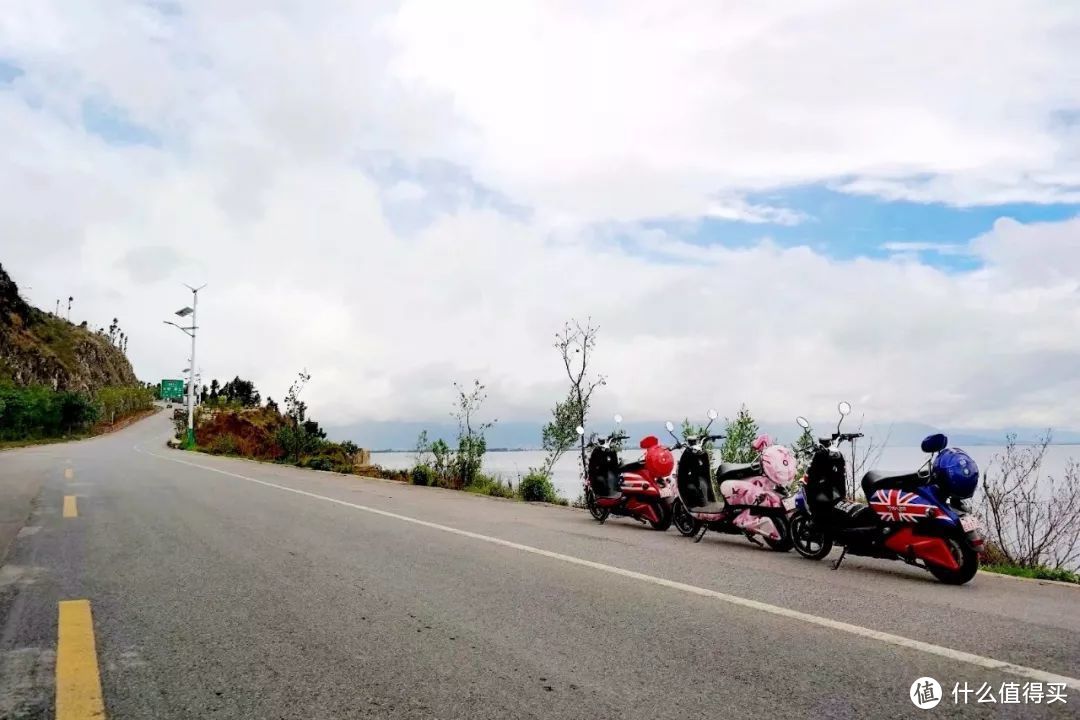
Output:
x=58 y=379
x=39 y=348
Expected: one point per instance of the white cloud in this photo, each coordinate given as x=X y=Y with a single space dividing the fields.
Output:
x=268 y=115
x=634 y=109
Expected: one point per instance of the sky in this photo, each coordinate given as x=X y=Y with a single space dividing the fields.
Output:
x=770 y=203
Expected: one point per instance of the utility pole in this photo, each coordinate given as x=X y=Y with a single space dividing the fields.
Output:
x=184 y=312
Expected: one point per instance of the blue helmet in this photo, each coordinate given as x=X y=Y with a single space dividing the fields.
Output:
x=956 y=473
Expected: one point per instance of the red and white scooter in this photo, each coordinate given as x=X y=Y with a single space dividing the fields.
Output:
x=643 y=489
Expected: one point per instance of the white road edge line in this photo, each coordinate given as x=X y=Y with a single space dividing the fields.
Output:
x=858 y=630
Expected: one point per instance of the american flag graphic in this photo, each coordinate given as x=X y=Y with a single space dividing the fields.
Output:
x=900 y=506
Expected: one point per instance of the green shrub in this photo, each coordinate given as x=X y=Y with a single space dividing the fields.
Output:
x=318 y=462
x=224 y=445
x=39 y=412
x=441 y=452
x=487 y=485
x=296 y=441
x=423 y=474
x=537 y=487
x=116 y=403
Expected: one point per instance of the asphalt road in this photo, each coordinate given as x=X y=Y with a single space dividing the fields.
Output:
x=223 y=588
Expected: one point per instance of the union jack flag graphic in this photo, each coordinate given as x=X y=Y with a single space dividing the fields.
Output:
x=900 y=506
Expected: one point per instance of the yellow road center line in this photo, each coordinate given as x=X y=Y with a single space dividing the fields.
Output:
x=68 y=473
x=78 y=682
x=70 y=510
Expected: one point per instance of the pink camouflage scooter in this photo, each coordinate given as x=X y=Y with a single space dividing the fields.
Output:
x=752 y=493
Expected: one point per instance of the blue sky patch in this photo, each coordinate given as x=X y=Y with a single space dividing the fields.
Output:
x=9 y=72
x=846 y=226
x=112 y=124
x=415 y=194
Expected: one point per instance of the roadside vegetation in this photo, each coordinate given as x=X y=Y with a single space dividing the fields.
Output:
x=232 y=420
x=1033 y=521
x=460 y=467
x=37 y=413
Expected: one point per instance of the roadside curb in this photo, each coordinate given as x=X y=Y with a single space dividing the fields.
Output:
x=1041 y=581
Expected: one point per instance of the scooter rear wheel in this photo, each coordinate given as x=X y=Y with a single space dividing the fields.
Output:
x=664 y=513
x=782 y=527
x=682 y=519
x=595 y=510
x=809 y=540
x=965 y=557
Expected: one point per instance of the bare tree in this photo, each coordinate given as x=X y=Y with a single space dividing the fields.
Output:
x=865 y=454
x=575 y=343
x=1031 y=522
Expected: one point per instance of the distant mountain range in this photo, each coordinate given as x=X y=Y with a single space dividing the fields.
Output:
x=525 y=435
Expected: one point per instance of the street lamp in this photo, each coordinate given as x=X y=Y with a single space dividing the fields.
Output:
x=184 y=312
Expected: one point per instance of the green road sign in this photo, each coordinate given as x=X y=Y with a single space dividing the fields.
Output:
x=172 y=389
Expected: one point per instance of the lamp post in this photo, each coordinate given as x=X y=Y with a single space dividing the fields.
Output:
x=184 y=312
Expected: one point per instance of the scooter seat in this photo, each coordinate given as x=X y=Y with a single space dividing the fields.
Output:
x=879 y=480
x=636 y=466
x=853 y=514
x=710 y=507
x=737 y=471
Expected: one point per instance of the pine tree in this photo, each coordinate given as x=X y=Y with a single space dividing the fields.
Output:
x=740 y=435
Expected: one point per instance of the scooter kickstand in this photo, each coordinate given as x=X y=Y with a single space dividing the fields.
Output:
x=701 y=533
x=840 y=559
x=751 y=538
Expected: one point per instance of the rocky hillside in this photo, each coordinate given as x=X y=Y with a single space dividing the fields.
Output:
x=37 y=348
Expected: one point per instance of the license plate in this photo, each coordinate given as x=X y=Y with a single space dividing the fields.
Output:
x=970 y=523
x=789 y=503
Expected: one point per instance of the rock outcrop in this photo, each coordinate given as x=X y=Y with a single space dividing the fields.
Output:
x=38 y=348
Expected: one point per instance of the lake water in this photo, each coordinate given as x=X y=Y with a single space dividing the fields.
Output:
x=567 y=475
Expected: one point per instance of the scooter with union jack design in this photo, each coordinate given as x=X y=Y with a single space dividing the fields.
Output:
x=919 y=517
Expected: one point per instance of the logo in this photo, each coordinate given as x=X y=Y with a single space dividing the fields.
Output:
x=925 y=693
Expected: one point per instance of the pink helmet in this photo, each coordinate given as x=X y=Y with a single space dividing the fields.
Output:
x=778 y=464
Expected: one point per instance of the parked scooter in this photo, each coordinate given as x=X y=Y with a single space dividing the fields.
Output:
x=643 y=489
x=752 y=494
x=918 y=517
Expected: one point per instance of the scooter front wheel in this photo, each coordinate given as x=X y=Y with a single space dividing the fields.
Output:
x=595 y=510
x=782 y=527
x=682 y=519
x=809 y=540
